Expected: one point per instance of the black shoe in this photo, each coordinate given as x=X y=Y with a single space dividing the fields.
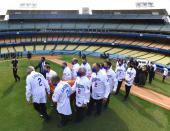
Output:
x=60 y=125
x=124 y=99
x=116 y=93
x=88 y=114
x=97 y=114
x=76 y=121
x=46 y=117
x=105 y=107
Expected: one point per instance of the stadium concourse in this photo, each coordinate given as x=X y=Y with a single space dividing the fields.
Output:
x=146 y=94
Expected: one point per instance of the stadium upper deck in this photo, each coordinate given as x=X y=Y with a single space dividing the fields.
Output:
x=107 y=21
x=36 y=27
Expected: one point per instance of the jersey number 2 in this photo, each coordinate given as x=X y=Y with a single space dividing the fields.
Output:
x=39 y=79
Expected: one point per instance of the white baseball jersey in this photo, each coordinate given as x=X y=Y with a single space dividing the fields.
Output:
x=154 y=65
x=36 y=85
x=62 y=97
x=67 y=73
x=165 y=71
x=120 y=72
x=82 y=88
x=88 y=69
x=129 y=76
x=75 y=70
x=117 y=64
x=111 y=75
x=103 y=70
x=125 y=66
x=100 y=85
x=49 y=75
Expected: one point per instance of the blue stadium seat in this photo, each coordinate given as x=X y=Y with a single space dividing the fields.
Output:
x=28 y=25
x=68 y=25
x=111 y=26
x=82 y=25
x=54 y=25
x=15 y=26
x=41 y=25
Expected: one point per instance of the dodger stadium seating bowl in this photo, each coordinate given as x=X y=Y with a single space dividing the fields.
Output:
x=144 y=36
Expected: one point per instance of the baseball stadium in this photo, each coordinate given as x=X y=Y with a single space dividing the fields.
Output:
x=63 y=34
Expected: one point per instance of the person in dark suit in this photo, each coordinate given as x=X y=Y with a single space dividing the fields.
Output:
x=15 y=68
x=41 y=66
x=142 y=76
x=151 y=73
x=29 y=55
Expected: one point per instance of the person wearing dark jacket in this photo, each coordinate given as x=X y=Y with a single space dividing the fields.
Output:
x=15 y=69
x=142 y=76
x=41 y=66
x=147 y=70
x=151 y=73
x=136 y=81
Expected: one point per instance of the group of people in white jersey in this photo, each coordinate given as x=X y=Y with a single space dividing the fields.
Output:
x=93 y=85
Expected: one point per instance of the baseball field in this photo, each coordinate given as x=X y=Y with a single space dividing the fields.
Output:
x=135 y=114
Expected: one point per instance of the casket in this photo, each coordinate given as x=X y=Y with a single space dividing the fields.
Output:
x=70 y=82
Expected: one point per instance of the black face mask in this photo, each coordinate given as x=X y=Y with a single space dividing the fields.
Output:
x=42 y=60
x=131 y=66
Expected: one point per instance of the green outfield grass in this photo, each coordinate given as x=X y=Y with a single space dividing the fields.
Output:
x=133 y=115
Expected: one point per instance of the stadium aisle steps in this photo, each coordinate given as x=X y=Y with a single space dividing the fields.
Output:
x=71 y=38
x=77 y=39
x=82 y=47
x=93 y=48
x=19 y=48
x=60 y=38
x=83 y=39
x=148 y=55
x=39 y=47
x=103 y=49
x=66 y=38
x=115 y=50
x=94 y=39
x=71 y=47
x=11 y=49
x=165 y=60
x=29 y=48
x=140 y=53
x=156 y=57
x=88 y=38
x=132 y=53
x=60 y=47
x=125 y=51
x=49 y=47
x=4 y=50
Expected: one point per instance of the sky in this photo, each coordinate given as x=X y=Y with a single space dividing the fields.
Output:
x=79 y=4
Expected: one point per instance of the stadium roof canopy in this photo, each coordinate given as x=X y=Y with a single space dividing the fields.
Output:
x=42 y=12
x=136 y=11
